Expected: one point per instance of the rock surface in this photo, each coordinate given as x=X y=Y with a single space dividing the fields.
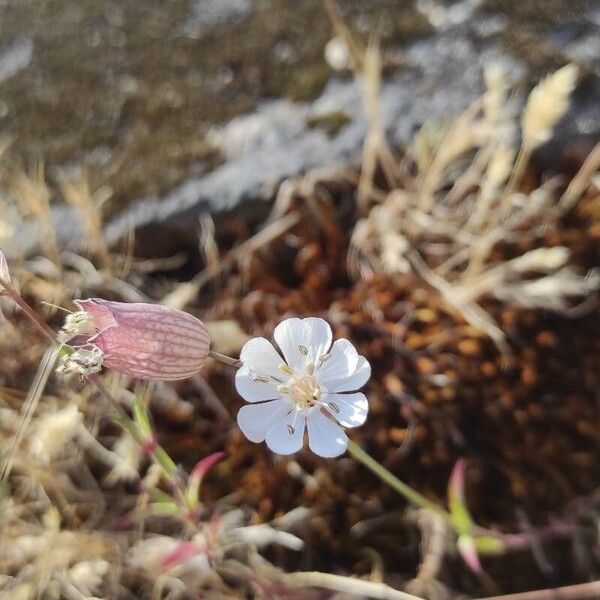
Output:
x=206 y=104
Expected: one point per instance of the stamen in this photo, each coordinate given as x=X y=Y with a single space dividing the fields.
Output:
x=325 y=357
x=84 y=361
x=334 y=407
x=77 y=323
x=303 y=350
x=285 y=369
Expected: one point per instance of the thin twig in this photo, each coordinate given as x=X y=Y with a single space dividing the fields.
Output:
x=184 y=293
x=226 y=360
x=396 y=484
x=348 y=585
x=33 y=397
x=580 y=181
x=582 y=591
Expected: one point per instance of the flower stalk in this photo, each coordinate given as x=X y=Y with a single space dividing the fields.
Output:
x=396 y=484
x=226 y=360
x=10 y=292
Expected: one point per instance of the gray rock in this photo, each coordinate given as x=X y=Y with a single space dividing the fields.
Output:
x=15 y=58
x=204 y=15
x=440 y=75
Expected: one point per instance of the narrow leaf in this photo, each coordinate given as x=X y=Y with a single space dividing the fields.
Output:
x=461 y=519
x=467 y=548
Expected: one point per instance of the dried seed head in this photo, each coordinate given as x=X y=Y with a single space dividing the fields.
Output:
x=128 y=457
x=53 y=432
x=500 y=166
x=87 y=576
x=337 y=54
x=546 y=105
x=541 y=259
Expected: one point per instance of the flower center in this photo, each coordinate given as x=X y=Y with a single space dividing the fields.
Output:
x=304 y=390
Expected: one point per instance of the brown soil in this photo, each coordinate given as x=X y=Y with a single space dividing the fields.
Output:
x=528 y=423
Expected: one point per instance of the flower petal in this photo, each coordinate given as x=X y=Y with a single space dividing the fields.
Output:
x=259 y=355
x=350 y=410
x=286 y=435
x=295 y=336
x=100 y=313
x=325 y=437
x=252 y=390
x=355 y=381
x=256 y=419
x=340 y=365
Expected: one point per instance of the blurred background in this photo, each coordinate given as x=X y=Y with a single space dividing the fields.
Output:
x=380 y=163
x=212 y=103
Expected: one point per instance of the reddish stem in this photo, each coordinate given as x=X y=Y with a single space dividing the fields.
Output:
x=31 y=314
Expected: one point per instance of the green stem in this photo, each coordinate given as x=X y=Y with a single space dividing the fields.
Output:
x=160 y=456
x=399 y=486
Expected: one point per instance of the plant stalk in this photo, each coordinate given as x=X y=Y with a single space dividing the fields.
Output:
x=390 y=479
x=226 y=360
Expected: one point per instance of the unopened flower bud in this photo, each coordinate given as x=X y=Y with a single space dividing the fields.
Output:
x=147 y=341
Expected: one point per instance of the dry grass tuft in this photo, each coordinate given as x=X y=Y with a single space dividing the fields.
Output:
x=462 y=198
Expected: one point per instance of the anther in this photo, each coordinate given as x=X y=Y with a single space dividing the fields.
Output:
x=291 y=430
x=303 y=350
x=325 y=357
x=283 y=389
x=285 y=369
x=310 y=368
x=260 y=379
x=334 y=407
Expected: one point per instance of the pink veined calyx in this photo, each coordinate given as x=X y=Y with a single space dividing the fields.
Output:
x=146 y=341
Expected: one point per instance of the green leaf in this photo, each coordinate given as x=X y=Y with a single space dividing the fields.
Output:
x=141 y=418
x=468 y=550
x=461 y=518
x=487 y=544
x=163 y=508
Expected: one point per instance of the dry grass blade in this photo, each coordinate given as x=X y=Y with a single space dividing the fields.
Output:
x=208 y=244
x=376 y=151
x=471 y=311
x=581 y=591
x=31 y=401
x=76 y=191
x=347 y=585
x=580 y=182
x=33 y=195
x=462 y=136
x=185 y=292
x=545 y=106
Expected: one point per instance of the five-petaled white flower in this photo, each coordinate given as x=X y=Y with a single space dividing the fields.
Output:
x=304 y=391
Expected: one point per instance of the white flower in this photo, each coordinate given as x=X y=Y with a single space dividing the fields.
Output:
x=304 y=391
